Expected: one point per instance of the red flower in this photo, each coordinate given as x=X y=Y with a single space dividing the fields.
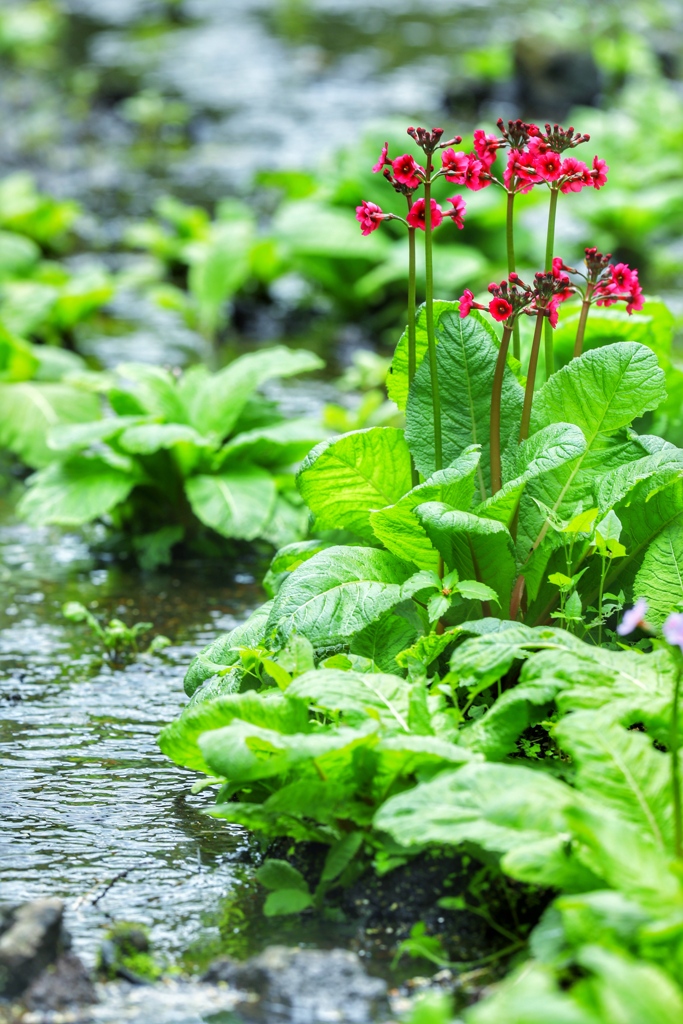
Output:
x=369 y=216
x=554 y=304
x=466 y=301
x=499 y=309
x=548 y=165
x=455 y=166
x=406 y=170
x=637 y=300
x=599 y=172
x=575 y=175
x=416 y=214
x=486 y=147
x=458 y=212
x=383 y=159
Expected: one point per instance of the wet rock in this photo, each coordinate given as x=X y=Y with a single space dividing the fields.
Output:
x=552 y=78
x=64 y=984
x=305 y=986
x=31 y=939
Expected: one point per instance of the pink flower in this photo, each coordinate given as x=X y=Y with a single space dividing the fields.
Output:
x=520 y=168
x=383 y=159
x=500 y=309
x=455 y=166
x=369 y=216
x=548 y=165
x=558 y=267
x=406 y=170
x=635 y=617
x=673 y=629
x=466 y=301
x=416 y=214
x=486 y=147
x=599 y=172
x=473 y=175
x=458 y=212
x=575 y=175
x=554 y=306
x=637 y=299
x=623 y=277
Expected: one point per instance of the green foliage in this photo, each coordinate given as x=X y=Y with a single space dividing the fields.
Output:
x=168 y=455
x=118 y=640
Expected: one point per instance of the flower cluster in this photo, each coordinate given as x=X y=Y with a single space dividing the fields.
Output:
x=609 y=282
x=634 y=618
x=405 y=176
x=513 y=297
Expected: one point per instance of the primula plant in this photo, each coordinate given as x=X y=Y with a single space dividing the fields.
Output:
x=386 y=698
x=165 y=458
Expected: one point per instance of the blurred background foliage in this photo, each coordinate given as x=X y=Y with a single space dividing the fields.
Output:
x=184 y=172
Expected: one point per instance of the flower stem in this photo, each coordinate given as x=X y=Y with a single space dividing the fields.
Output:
x=581 y=329
x=531 y=378
x=675 y=768
x=496 y=399
x=412 y=353
x=549 y=245
x=429 y=303
x=510 y=232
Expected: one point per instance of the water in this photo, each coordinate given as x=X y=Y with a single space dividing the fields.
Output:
x=88 y=801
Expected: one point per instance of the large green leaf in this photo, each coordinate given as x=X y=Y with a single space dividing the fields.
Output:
x=237 y=504
x=466 y=359
x=336 y=593
x=342 y=480
x=282 y=444
x=216 y=400
x=621 y=769
x=273 y=711
x=498 y=807
x=601 y=391
x=29 y=410
x=399 y=529
x=218 y=268
x=397 y=378
x=480 y=549
x=74 y=437
x=380 y=641
x=75 y=492
x=357 y=695
x=147 y=438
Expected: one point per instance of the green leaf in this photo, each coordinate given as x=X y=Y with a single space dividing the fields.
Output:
x=280 y=874
x=479 y=549
x=218 y=268
x=74 y=492
x=237 y=504
x=483 y=660
x=466 y=359
x=342 y=480
x=497 y=807
x=287 y=901
x=216 y=401
x=29 y=410
x=147 y=438
x=223 y=652
x=397 y=378
x=399 y=529
x=382 y=640
x=283 y=444
x=355 y=694
x=336 y=593
x=340 y=855
x=472 y=590
x=155 y=389
x=660 y=577
x=621 y=769
x=74 y=437
x=601 y=391
x=531 y=995
x=17 y=358
x=273 y=711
